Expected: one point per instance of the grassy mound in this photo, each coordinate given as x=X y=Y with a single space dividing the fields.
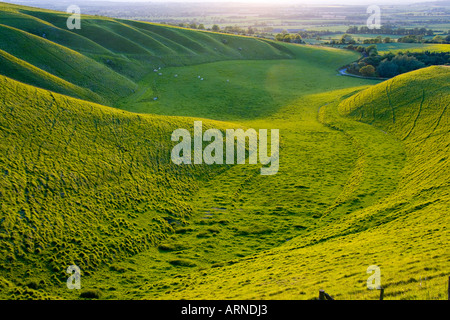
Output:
x=84 y=184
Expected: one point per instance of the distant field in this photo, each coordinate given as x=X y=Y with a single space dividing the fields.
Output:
x=412 y=47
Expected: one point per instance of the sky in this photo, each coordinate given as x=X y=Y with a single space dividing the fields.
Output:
x=362 y=2
x=288 y=1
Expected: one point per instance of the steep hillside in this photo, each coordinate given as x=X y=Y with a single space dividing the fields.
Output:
x=84 y=184
x=415 y=108
x=27 y=73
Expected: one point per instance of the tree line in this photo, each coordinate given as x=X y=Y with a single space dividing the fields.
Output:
x=389 y=65
x=348 y=39
x=390 y=30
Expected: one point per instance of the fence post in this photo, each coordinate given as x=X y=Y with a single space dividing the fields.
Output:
x=328 y=297
x=321 y=295
x=381 y=293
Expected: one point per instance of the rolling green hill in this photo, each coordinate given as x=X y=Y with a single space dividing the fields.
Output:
x=363 y=176
x=107 y=56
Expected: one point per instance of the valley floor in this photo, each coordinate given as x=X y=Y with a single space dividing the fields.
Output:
x=288 y=235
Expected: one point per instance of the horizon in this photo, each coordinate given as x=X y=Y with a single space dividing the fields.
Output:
x=265 y=2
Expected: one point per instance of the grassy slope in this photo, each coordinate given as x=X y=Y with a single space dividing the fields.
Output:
x=405 y=231
x=27 y=73
x=240 y=213
x=84 y=184
x=252 y=240
x=341 y=193
x=108 y=56
x=237 y=90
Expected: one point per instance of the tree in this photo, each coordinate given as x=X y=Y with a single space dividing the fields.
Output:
x=287 y=38
x=367 y=71
x=279 y=37
x=353 y=68
x=387 y=40
x=438 y=39
x=372 y=60
x=201 y=26
x=406 y=63
x=215 y=28
x=364 y=29
x=347 y=39
x=372 y=50
x=193 y=25
x=387 y=69
x=353 y=30
x=447 y=39
x=297 y=38
x=408 y=39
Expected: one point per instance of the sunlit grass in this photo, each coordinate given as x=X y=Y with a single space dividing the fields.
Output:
x=363 y=176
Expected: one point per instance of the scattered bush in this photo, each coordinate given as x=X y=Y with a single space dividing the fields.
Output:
x=368 y=71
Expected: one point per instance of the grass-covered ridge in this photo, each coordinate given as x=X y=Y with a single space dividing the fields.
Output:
x=415 y=108
x=84 y=183
x=107 y=56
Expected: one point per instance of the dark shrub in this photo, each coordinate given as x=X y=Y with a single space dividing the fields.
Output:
x=90 y=294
